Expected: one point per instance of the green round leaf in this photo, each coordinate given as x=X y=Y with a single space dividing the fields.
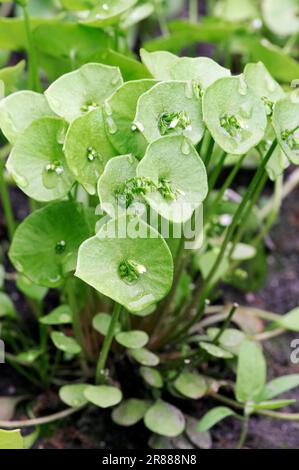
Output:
x=128 y=261
x=164 y=419
x=59 y=316
x=158 y=63
x=37 y=162
x=101 y=323
x=133 y=339
x=144 y=357
x=103 y=396
x=260 y=80
x=151 y=376
x=108 y=12
x=45 y=244
x=173 y=164
x=170 y=108
x=237 y=124
x=286 y=125
x=202 y=71
x=73 y=395
x=120 y=109
x=83 y=90
x=191 y=384
x=281 y=17
x=118 y=172
x=18 y=110
x=30 y=289
x=130 y=412
x=87 y=149
x=65 y=343
x=215 y=351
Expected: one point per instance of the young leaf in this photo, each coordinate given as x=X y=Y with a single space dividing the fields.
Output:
x=202 y=71
x=45 y=244
x=191 y=384
x=78 y=92
x=133 y=339
x=109 y=12
x=11 y=439
x=286 y=125
x=237 y=124
x=129 y=412
x=87 y=149
x=115 y=183
x=65 y=343
x=29 y=356
x=19 y=110
x=170 y=108
x=251 y=372
x=128 y=261
x=151 y=376
x=215 y=351
x=279 y=385
x=101 y=323
x=120 y=109
x=213 y=417
x=158 y=63
x=59 y=316
x=164 y=419
x=144 y=357
x=6 y=306
x=103 y=396
x=11 y=76
x=37 y=162
x=30 y=289
x=73 y=395
x=272 y=404
x=174 y=166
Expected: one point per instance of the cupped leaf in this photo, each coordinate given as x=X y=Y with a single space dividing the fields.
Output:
x=133 y=339
x=83 y=90
x=19 y=110
x=164 y=419
x=151 y=376
x=215 y=351
x=279 y=385
x=103 y=396
x=213 y=417
x=281 y=17
x=119 y=111
x=59 y=316
x=65 y=343
x=101 y=323
x=290 y=321
x=11 y=76
x=129 y=412
x=87 y=149
x=118 y=187
x=144 y=357
x=45 y=244
x=237 y=124
x=191 y=384
x=128 y=261
x=286 y=125
x=109 y=12
x=73 y=395
x=170 y=108
x=11 y=439
x=202 y=71
x=179 y=174
x=251 y=372
x=260 y=80
x=37 y=162
x=158 y=63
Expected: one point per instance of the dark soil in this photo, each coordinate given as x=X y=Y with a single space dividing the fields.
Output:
x=93 y=428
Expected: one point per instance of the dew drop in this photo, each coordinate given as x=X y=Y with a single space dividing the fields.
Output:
x=54 y=280
x=185 y=147
x=242 y=89
x=139 y=126
x=133 y=127
x=51 y=174
x=60 y=247
x=105 y=7
x=91 y=154
x=108 y=108
x=112 y=127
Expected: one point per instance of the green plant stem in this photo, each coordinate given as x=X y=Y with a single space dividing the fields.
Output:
x=100 y=376
x=226 y=322
x=216 y=171
x=9 y=217
x=244 y=433
x=161 y=19
x=205 y=289
x=193 y=11
x=38 y=421
x=33 y=75
x=209 y=153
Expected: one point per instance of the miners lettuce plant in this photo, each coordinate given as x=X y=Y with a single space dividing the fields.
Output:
x=134 y=222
